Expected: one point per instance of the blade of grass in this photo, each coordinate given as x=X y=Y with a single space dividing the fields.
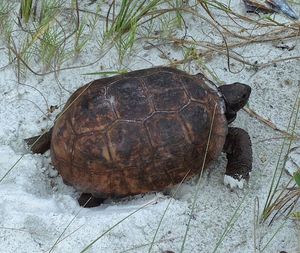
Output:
x=255 y=222
x=115 y=225
x=231 y=222
x=26 y=10
x=165 y=211
x=198 y=181
x=146 y=244
x=123 y=28
x=296 y=177
x=273 y=236
x=105 y=73
x=281 y=161
x=68 y=225
x=64 y=238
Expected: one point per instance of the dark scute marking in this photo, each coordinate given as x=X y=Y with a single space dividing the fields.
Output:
x=197 y=121
x=118 y=184
x=159 y=82
x=129 y=145
x=94 y=114
x=160 y=181
x=62 y=138
x=168 y=159
x=170 y=100
x=60 y=132
x=61 y=149
x=91 y=147
x=85 y=104
x=92 y=98
x=165 y=129
x=130 y=99
x=175 y=162
x=195 y=88
x=174 y=156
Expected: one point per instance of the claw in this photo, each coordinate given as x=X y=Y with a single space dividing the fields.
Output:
x=236 y=180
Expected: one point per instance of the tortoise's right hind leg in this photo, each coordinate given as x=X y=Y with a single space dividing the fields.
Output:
x=88 y=200
x=40 y=143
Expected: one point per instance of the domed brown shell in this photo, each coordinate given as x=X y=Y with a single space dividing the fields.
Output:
x=138 y=132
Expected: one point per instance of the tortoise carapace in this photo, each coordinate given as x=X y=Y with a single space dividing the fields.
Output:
x=145 y=131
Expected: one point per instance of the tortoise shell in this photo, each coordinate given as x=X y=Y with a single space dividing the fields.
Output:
x=138 y=132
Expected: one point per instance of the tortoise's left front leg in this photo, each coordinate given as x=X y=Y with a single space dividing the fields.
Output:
x=239 y=155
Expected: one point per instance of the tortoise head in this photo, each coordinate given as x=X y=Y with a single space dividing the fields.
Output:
x=236 y=96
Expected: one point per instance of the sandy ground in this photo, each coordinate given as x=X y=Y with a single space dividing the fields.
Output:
x=36 y=207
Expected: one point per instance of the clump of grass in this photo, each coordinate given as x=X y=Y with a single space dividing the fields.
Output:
x=296 y=214
x=82 y=38
x=129 y=16
x=41 y=40
x=50 y=37
x=50 y=34
x=123 y=24
x=86 y=31
x=26 y=10
x=6 y=7
x=123 y=27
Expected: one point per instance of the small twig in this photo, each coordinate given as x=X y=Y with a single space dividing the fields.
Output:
x=268 y=122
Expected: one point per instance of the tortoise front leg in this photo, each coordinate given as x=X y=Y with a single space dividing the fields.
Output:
x=40 y=143
x=239 y=155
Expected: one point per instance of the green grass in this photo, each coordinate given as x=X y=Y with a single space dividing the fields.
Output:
x=6 y=7
x=45 y=36
x=57 y=32
x=26 y=10
x=123 y=27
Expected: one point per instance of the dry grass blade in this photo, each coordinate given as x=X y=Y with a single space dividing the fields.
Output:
x=287 y=199
x=165 y=211
x=147 y=244
x=115 y=225
x=64 y=238
x=284 y=203
x=230 y=223
x=255 y=222
x=269 y=123
x=273 y=236
x=198 y=181
x=59 y=239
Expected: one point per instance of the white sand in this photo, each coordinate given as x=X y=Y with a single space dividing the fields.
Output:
x=36 y=207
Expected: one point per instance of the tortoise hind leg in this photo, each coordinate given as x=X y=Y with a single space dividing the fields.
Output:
x=88 y=200
x=40 y=143
x=239 y=155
